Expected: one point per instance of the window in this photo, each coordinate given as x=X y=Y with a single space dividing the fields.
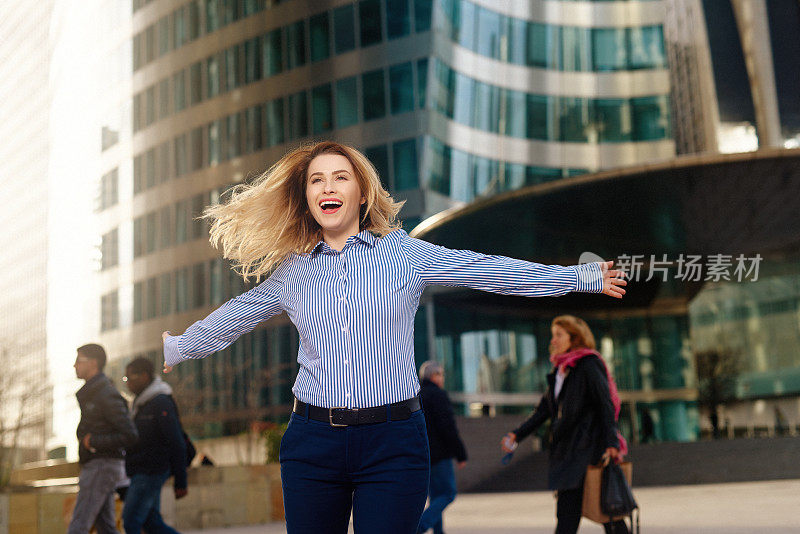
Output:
x=167 y=228
x=138 y=186
x=252 y=61
x=573 y=117
x=576 y=49
x=179 y=91
x=212 y=15
x=109 y=184
x=199 y=285
x=195 y=84
x=164 y=158
x=213 y=143
x=296 y=44
x=151 y=231
x=406 y=174
x=149 y=44
x=344 y=29
x=650 y=118
x=193 y=12
x=398 y=19
x=138 y=237
x=254 y=139
x=369 y=12
x=608 y=49
x=181 y=33
x=150 y=105
x=150 y=168
x=212 y=71
x=233 y=78
x=273 y=122
x=163 y=36
x=196 y=155
x=234 y=140
x=422 y=15
x=163 y=98
x=538 y=121
x=490 y=32
x=182 y=290
x=374 y=102
x=138 y=302
x=298 y=115
x=198 y=205
x=271 y=56
x=613 y=120
x=109 y=249
x=321 y=111
x=422 y=81
x=318 y=33
x=109 y=311
x=151 y=298
x=217 y=272
x=543 y=50
x=346 y=103
x=166 y=290
x=379 y=156
x=230 y=11
x=182 y=213
x=401 y=86
x=646 y=47
x=181 y=156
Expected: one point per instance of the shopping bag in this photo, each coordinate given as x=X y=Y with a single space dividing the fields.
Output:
x=592 y=490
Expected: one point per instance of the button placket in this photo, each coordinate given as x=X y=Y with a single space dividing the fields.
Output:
x=345 y=327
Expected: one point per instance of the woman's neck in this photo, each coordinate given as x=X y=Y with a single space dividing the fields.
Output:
x=337 y=240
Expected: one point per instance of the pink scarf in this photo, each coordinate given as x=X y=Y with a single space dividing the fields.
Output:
x=570 y=359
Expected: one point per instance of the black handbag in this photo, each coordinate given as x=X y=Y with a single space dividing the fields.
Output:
x=616 y=497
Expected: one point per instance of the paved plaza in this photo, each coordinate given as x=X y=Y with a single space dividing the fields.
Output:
x=743 y=508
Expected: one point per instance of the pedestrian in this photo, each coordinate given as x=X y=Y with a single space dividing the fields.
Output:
x=445 y=444
x=104 y=431
x=320 y=225
x=159 y=453
x=582 y=405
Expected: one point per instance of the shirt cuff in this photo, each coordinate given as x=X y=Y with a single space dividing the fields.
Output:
x=172 y=356
x=590 y=278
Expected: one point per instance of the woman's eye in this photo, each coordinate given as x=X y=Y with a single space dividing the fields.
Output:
x=341 y=177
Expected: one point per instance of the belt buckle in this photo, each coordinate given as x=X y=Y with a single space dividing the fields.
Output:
x=330 y=415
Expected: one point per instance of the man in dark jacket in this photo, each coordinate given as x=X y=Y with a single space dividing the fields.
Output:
x=159 y=453
x=445 y=444
x=103 y=433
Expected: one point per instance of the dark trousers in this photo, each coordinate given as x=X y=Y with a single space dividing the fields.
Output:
x=568 y=513
x=442 y=491
x=143 y=505
x=379 y=470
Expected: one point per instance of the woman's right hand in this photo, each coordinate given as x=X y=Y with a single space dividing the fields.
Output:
x=508 y=441
x=164 y=336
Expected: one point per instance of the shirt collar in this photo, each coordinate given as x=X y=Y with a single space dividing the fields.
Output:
x=365 y=236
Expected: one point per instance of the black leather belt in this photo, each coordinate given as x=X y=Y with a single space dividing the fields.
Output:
x=398 y=411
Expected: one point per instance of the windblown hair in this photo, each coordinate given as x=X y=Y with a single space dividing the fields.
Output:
x=580 y=335
x=267 y=220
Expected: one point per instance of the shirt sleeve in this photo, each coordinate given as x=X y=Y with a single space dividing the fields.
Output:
x=227 y=323
x=437 y=265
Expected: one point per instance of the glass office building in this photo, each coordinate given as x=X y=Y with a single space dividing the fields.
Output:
x=453 y=101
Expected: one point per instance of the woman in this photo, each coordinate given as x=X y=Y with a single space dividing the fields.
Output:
x=323 y=229
x=582 y=405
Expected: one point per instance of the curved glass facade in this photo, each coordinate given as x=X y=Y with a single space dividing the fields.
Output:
x=547 y=46
x=549 y=118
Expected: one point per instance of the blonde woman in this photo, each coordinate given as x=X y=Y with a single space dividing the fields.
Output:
x=323 y=231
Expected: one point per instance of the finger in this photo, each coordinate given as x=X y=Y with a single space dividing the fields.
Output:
x=165 y=335
x=167 y=368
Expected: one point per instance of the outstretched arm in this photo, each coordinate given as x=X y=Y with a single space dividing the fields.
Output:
x=436 y=265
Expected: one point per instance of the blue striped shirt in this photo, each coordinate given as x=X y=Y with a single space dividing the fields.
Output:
x=354 y=311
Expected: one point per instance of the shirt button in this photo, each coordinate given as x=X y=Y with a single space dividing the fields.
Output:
x=344 y=329
x=347 y=395
x=345 y=362
x=343 y=299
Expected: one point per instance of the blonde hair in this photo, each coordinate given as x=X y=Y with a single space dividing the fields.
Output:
x=580 y=335
x=267 y=220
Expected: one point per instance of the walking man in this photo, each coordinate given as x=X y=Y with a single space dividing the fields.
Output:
x=445 y=444
x=159 y=453
x=103 y=433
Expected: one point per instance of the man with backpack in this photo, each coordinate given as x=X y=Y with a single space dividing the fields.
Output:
x=159 y=453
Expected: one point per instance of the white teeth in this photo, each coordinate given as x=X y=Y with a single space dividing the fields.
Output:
x=330 y=204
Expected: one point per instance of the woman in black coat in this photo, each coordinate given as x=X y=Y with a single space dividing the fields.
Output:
x=582 y=405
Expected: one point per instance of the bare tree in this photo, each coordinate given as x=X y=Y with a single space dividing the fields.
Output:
x=237 y=402
x=717 y=372
x=15 y=393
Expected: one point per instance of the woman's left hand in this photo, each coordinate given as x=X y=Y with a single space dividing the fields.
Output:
x=612 y=453
x=612 y=280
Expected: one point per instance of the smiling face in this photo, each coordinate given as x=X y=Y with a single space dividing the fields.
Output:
x=334 y=197
x=560 y=341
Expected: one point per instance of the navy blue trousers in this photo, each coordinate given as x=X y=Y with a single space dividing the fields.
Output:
x=380 y=471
